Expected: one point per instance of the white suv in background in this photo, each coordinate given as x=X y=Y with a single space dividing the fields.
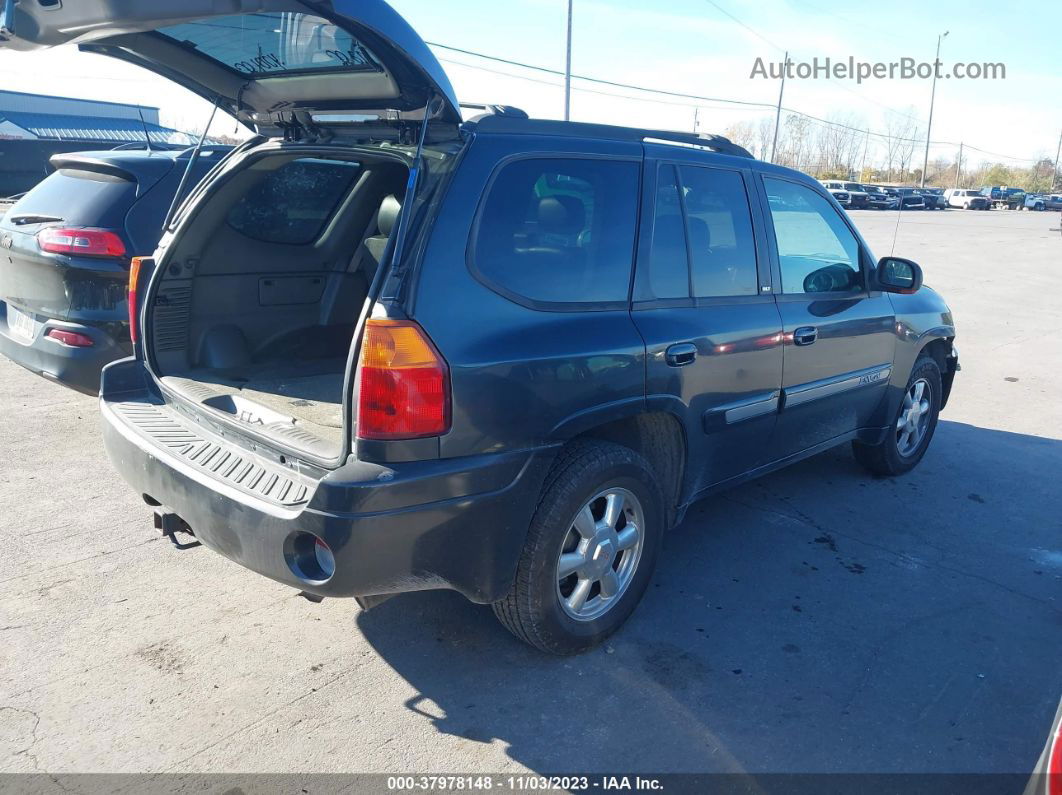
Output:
x=966 y=198
x=835 y=187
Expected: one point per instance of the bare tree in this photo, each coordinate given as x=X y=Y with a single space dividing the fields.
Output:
x=742 y=133
x=797 y=142
x=765 y=136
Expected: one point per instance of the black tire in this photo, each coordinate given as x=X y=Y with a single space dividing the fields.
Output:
x=885 y=458
x=532 y=609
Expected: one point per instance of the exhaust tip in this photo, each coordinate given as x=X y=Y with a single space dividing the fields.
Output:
x=309 y=558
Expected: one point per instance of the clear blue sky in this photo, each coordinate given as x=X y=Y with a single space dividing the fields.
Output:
x=693 y=46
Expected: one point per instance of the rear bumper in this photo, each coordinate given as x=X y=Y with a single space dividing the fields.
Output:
x=78 y=368
x=449 y=523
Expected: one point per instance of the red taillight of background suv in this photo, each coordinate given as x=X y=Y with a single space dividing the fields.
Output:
x=403 y=383
x=81 y=242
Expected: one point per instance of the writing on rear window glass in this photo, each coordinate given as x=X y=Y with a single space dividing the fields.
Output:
x=357 y=57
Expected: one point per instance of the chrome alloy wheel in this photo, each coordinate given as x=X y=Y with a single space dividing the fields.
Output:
x=600 y=554
x=914 y=418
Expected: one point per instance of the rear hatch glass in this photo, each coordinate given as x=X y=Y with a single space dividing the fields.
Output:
x=257 y=45
x=79 y=198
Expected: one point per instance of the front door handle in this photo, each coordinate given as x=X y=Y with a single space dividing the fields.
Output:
x=805 y=335
x=681 y=354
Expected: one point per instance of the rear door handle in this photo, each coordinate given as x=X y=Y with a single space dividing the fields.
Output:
x=805 y=335
x=681 y=354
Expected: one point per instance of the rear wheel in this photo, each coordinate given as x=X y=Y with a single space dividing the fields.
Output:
x=590 y=550
x=907 y=438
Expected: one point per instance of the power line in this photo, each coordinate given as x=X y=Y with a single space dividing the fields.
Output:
x=780 y=48
x=680 y=95
x=584 y=90
x=599 y=80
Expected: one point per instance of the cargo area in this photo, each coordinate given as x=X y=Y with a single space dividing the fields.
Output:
x=256 y=308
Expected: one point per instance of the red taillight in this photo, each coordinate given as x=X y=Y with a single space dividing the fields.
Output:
x=85 y=242
x=403 y=383
x=134 y=313
x=71 y=338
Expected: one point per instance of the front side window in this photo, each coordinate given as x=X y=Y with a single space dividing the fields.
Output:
x=816 y=250
x=292 y=204
x=559 y=230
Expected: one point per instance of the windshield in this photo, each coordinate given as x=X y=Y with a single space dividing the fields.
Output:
x=260 y=45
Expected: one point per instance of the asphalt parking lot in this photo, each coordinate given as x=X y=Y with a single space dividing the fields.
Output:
x=816 y=620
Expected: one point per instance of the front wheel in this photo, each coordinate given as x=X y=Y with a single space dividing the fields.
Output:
x=590 y=550
x=907 y=438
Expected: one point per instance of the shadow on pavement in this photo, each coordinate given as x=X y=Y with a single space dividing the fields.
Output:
x=816 y=620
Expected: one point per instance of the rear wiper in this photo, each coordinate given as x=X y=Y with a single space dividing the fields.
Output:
x=30 y=218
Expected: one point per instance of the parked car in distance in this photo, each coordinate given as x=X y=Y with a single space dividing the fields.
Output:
x=1003 y=198
x=934 y=198
x=879 y=199
x=966 y=198
x=839 y=192
x=65 y=249
x=911 y=199
x=906 y=198
x=1043 y=201
x=858 y=195
x=304 y=398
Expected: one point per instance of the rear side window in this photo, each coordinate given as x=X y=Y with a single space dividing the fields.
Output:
x=669 y=275
x=702 y=235
x=293 y=204
x=80 y=198
x=719 y=225
x=559 y=230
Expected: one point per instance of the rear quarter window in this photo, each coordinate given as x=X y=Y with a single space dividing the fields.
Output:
x=293 y=203
x=559 y=231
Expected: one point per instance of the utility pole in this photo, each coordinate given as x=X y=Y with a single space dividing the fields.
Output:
x=863 y=167
x=778 y=113
x=1054 y=177
x=958 y=167
x=696 y=120
x=568 y=69
x=932 y=100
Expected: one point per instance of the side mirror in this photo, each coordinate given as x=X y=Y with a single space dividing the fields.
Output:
x=898 y=275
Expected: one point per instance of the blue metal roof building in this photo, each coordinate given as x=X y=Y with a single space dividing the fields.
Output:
x=42 y=117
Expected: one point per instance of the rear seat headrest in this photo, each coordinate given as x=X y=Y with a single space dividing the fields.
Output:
x=564 y=215
x=390 y=207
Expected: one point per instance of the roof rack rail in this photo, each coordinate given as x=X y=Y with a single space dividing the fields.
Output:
x=717 y=143
x=495 y=110
x=522 y=125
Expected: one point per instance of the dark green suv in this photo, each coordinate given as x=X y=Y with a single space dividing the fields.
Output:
x=384 y=349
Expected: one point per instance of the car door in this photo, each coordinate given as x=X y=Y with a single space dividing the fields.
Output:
x=703 y=305
x=839 y=338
